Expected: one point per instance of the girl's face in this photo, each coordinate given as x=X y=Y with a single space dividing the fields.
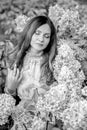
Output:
x=41 y=38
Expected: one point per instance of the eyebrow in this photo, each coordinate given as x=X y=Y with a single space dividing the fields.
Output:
x=45 y=33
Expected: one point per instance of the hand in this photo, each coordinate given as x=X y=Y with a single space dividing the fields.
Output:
x=13 y=78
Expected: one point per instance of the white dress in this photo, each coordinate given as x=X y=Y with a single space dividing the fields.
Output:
x=35 y=74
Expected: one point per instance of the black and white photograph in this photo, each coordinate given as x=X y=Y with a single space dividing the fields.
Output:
x=43 y=64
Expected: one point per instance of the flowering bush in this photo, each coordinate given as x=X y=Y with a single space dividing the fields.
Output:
x=60 y=100
x=66 y=65
x=20 y=22
x=7 y=104
x=54 y=101
x=66 y=21
x=74 y=115
x=70 y=26
x=64 y=100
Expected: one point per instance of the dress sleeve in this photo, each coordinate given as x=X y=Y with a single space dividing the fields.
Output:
x=10 y=91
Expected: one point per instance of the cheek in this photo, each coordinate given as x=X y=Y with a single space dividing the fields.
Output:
x=47 y=42
x=33 y=39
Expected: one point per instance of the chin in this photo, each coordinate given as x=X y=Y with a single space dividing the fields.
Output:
x=39 y=48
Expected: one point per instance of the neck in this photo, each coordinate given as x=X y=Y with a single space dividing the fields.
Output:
x=35 y=52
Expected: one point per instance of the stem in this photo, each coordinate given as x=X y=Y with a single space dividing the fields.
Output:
x=25 y=126
x=47 y=125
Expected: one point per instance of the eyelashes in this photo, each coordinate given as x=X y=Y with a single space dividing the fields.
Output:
x=37 y=32
x=45 y=35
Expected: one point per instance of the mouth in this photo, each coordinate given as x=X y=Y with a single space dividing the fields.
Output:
x=39 y=44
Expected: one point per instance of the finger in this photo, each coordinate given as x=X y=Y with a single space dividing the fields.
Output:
x=15 y=69
x=17 y=73
x=20 y=77
x=9 y=71
x=7 y=64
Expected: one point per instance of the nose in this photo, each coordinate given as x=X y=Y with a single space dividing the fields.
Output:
x=41 y=38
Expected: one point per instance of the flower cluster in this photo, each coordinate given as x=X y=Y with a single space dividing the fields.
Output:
x=74 y=115
x=55 y=13
x=7 y=103
x=66 y=67
x=70 y=73
x=21 y=21
x=66 y=21
x=54 y=101
x=70 y=26
x=38 y=124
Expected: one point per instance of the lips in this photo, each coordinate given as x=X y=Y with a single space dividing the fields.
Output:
x=39 y=44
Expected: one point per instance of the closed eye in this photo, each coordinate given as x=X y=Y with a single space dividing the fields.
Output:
x=37 y=32
x=47 y=36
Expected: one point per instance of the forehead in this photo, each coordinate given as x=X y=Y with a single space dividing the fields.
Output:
x=45 y=28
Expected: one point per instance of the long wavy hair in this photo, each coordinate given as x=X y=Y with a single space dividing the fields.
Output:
x=25 y=38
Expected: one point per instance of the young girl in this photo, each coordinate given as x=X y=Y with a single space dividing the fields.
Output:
x=32 y=59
